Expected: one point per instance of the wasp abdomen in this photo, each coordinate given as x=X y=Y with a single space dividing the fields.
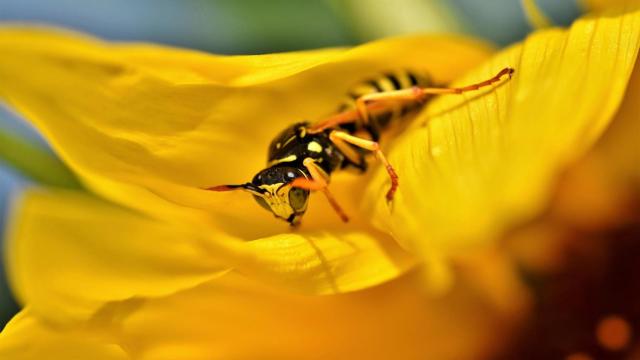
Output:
x=388 y=81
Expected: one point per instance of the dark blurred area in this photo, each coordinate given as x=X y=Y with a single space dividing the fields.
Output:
x=589 y=309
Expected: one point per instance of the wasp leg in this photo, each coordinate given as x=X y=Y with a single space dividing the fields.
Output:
x=371 y=146
x=366 y=104
x=346 y=117
x=319 y=181
x=350 y=153
x=418 y=94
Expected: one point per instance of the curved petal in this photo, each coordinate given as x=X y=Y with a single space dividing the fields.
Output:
x=602 y=5
x=26 y=338
x=474 y=164
x=67 y=253
x=618 y=147
x=235 y=318
x=147 y=126
x=70 y=253
x=601 y=190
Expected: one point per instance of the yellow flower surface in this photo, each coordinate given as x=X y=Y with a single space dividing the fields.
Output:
x=148 y=127
x=234 y=318
x=156 y=268
x=618 y=148
x=601 y=5
x=68 y=262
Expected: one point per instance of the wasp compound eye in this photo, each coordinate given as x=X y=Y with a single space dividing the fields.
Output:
x=298 y=199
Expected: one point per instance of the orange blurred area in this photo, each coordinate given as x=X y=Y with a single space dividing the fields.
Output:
x=613 y=333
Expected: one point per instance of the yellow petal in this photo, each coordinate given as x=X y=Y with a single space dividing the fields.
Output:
x=618 y=148
x=601 y=5
x=601 y=191
x=235 y=318
x=477 y=163
x=147 y=126
x=70 y=253
x=26 y=338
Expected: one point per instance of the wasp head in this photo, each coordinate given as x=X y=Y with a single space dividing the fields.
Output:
x=275 y=193
x=272 y=188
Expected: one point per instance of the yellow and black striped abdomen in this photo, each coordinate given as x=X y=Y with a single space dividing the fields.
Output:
x=388 y=81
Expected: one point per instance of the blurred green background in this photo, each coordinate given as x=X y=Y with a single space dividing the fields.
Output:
x=236 y=27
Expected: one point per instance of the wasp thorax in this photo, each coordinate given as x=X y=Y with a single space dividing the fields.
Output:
x=278 y=196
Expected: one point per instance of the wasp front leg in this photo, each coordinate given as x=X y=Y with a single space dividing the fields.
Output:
x=319 y=181
x=338 y=136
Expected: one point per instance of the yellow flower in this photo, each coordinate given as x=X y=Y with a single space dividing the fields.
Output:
x=168 y=273
x=600 y=5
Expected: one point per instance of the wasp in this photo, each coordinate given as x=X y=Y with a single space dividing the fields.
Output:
x=302 y=157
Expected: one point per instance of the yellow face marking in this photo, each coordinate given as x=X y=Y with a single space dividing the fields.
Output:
x=314 y=146
x=278 y=200
x=289 y=158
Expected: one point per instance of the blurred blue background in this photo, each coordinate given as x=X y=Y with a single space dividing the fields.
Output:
x=239 y=27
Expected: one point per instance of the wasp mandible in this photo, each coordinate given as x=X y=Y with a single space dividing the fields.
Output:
x=303 y=156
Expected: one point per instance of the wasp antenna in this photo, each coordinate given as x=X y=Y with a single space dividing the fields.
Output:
x=223 y=188
x=253 y=189
x=249 y=187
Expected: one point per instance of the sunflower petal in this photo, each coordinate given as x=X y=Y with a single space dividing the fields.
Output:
x=603 y=5
x=211 y=320
x=476 y=163
x=618 y=147
x=148 y=126
x=70 y=253
x=26 y=338
x=395 y=320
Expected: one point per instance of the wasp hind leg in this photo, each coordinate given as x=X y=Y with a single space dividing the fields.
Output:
x=374 y=102
x=419 y=94
x=319 y=181
x=338 y=137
